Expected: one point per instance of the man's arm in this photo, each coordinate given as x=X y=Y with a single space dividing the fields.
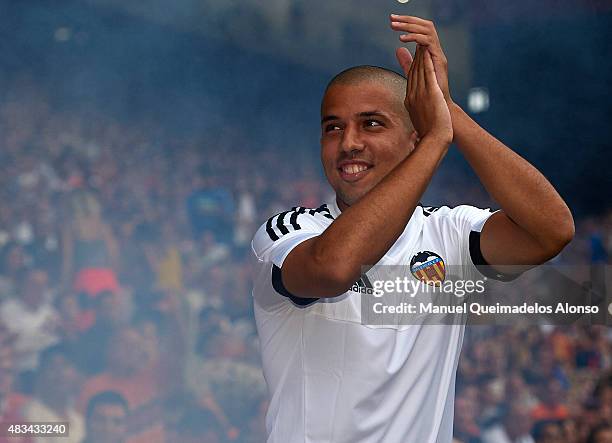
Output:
x=327 y=265
x=534 y=224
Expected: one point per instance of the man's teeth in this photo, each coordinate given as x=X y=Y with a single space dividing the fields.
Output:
x=353 y=169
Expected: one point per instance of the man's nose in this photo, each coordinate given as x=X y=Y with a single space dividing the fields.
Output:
x=351 y=139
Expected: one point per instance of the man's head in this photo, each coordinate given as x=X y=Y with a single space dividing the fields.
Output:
x=57 y=379
x=547 y=431
x=106 y=418
x=33 y=287
x=517 y=420
x=125 y=353
x=365 y=130
x=602 y=433
x=552 y=392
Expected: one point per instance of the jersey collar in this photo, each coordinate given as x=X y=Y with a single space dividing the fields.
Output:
x=335 y=211
x=333 y=208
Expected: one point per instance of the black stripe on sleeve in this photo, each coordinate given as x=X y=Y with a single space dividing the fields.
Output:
x=277 y=284
x=481 y=264
x=324 y=211
x=280 y=223
x=270 y=230
x=294 y=217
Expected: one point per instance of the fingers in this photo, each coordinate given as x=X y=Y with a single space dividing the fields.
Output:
x=416 y=78
x=429 y=71
x=412 y=19
x=411 y=74
x=422 y=73
x=409 y=27
x=421 y=68
x=418 y=30
x=404 y=57
x=423 y=40
x=414 y=25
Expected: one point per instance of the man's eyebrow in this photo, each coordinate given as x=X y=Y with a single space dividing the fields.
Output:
x=328 y=118
x=373 y=113
x=361 y=114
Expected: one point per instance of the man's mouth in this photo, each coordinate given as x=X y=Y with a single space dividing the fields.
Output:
x=353 y=171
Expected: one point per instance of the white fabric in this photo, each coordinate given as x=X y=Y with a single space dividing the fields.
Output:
x=36 y=411
x=497 y=434
x=34 y=329
x=332 y=379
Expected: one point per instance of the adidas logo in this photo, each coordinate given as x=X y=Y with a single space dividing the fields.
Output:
x=363 y=286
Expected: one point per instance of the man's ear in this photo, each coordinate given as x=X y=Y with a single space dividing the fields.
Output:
x=413 y=140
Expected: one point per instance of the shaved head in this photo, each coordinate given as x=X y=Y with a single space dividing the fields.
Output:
x=391 y=80
x=358 y=74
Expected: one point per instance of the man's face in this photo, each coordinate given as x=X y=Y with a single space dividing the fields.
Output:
x=552 y=433
x=127 y=353
x=107 y=424
x=35 y=287
x=60 y=377
x=365 y=133
x=604 y=436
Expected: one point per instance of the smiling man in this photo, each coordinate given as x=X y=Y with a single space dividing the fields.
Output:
x=331 y=377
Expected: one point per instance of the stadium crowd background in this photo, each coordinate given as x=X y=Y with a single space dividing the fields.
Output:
x=125 y=232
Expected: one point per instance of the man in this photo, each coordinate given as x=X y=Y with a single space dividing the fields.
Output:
x=106 y=418
x=514 y=426
x=12 y=402
x=132 y=373
x=31 y=316
x=548 y=431
x=332 y=378
x=602 y=433
x=56 y=385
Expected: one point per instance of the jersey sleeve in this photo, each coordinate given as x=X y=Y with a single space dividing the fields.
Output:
x=469 y=221
x=276 y=238
x=273 y=242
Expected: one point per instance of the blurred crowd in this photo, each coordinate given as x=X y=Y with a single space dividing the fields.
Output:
x=536 y=384
x=125 y=280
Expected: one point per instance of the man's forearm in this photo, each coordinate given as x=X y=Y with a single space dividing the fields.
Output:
x=523 y=193
x=366 y=230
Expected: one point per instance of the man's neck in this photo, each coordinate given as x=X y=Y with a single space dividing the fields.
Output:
x=341 y=205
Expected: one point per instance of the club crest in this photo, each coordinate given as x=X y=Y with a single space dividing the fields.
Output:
x=428 y=267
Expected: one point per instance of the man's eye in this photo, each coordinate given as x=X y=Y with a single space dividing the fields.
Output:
x=331 y=127
x=373 y=123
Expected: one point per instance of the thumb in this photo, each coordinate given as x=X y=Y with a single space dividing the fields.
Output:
x=404 y=58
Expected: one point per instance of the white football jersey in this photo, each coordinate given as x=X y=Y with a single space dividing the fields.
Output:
x=332 y=379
